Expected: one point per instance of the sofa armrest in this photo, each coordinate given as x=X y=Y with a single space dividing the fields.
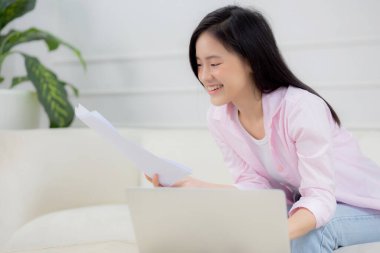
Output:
x=45 y=170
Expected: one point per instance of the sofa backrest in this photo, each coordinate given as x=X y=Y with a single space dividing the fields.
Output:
x=194 y=148
x=369 y=142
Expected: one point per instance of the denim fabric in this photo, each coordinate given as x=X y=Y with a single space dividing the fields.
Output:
x=350 y=225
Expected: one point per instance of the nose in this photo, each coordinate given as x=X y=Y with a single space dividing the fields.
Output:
x=204 y=74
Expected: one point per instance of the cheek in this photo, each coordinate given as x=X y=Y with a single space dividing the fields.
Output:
x=244 y=76
x=223 y=74
x=230 y=75
x=217 y=72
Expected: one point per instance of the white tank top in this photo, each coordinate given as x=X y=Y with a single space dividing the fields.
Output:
x=262 y=152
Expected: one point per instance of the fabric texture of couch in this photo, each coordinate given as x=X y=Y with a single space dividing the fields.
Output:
x=63 y=190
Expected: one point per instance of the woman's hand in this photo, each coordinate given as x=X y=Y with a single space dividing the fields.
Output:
x=300 y=223
x=154 y=180
x=187 y=182
x=190 y=182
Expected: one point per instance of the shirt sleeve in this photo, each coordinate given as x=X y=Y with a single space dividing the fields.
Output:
x=310 y=127
x=245 y=177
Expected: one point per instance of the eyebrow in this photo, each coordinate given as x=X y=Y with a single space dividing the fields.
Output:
x=211 y=57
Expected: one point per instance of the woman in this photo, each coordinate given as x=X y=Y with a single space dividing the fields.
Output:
x=276 y=132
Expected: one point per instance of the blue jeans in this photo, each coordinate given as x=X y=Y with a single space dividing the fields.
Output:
x=350 y=225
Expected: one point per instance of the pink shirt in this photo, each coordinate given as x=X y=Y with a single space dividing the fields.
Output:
x=310 y=152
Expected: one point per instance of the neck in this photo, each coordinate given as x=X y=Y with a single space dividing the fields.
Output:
x=250 y=107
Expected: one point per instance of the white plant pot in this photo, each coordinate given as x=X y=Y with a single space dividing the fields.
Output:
x=19 y=109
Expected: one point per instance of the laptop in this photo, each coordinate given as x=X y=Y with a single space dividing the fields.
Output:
x=178 y=220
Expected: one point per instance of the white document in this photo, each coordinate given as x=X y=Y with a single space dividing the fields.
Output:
x=169 y=171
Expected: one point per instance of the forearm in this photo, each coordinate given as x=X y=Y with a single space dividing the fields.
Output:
x=301 y=223
x=190 y=182
x=216 y=186
x=196 y=183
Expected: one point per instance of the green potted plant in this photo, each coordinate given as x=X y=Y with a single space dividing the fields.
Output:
x=51 y=91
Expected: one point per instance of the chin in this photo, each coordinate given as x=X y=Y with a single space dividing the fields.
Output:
x=218 y=102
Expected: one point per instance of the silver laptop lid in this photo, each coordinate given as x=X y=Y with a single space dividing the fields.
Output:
x=209 y=220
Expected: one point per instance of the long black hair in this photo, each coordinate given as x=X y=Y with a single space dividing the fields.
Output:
x=247 y=33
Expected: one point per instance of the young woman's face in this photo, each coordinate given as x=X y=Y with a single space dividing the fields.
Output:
x=225 y=76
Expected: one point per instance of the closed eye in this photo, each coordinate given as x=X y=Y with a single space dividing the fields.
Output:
x=215 y=64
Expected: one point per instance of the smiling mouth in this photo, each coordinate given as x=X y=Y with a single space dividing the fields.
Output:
x=214 y=87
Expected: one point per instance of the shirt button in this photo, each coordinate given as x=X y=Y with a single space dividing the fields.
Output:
x=280 y=168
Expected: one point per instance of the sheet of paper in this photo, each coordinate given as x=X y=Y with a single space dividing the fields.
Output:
x=169 y=171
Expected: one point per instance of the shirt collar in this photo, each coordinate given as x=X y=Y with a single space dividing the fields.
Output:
x=272 y=102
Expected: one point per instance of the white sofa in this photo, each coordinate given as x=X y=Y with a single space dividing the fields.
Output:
x=64 y=190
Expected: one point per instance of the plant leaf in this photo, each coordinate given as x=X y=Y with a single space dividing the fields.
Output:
x=2 y=37
x=14 y=38
x=19 y=79
x=11 y=9
x=1 y=79
x=51 y=93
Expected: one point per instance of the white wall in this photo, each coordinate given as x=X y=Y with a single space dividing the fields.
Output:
x=138 y=72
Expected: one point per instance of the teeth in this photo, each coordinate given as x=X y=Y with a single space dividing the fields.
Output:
x=212 y=88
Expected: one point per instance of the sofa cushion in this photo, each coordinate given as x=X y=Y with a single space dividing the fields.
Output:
x=75 y=227
x=95 y=229
x=99 y=247
x=362 y=248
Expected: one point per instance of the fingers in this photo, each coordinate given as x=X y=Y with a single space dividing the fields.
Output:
x=148 y=178
x=155 y=181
